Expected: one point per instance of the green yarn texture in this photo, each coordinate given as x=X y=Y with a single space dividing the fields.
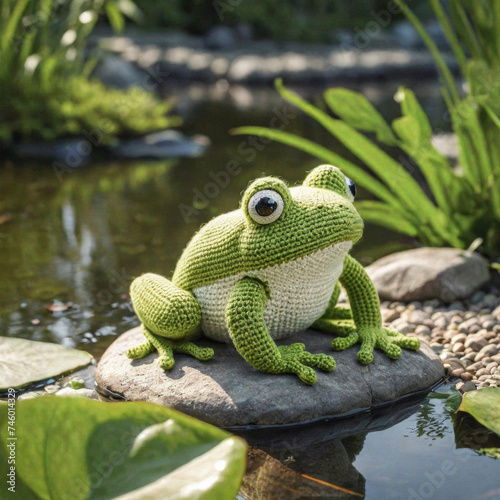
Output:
x=248 y=281
x=245 y=321
x=365 y=324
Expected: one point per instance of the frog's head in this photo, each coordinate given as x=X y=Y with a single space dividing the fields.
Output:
x=283 y=224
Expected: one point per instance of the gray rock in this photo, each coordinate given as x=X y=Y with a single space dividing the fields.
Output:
x=425 y=273
x=407 y=35
x=165 y=144
x=80 y=393
x=74 y=152
x=220 y=37
x=116 y=72
x=227 y=391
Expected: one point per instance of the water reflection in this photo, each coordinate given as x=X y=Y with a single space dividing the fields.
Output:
x=315 y=461
x=407 y=450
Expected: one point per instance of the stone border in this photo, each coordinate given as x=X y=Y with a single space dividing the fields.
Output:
x=173 y=55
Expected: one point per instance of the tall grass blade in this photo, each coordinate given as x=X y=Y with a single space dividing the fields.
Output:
x=402 y=184
x=362 y=178
x=441 y=64
x=450 y=34
x=383 y=214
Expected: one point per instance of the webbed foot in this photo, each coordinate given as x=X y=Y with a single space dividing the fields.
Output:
x=295 y=359
x=388 y=341
x=166 y=349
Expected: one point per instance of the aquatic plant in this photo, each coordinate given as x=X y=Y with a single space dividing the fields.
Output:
x=457 y=206
x=45 y=74
x=126 y=450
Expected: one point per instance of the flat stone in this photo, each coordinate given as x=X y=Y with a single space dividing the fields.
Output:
x=424 y=273
x=227 y=391
x=164 y=144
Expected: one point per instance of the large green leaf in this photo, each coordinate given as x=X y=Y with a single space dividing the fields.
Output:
x=411 y=107
x=484 y=406
x=84 y=449
x=415 y=132
x=385 y=215
x=357 y=111
x=25 y=361
x=473 y=146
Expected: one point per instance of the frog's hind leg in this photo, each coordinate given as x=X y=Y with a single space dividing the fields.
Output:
x=344 y=328
x=169 y=316
x=166 y=349
x=141 y=350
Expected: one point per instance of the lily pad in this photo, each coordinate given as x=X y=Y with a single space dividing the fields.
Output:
x=80 y=449
x=25 y=361
x=484 y=406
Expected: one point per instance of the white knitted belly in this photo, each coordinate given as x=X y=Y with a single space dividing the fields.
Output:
x=300 y=293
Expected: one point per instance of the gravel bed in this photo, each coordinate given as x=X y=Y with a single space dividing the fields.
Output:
x=465 y=334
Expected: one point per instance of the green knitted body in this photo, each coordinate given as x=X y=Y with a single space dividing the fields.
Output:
x=264 y=272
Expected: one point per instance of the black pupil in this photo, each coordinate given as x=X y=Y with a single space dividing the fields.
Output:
x=266 y=206
x=352 y=187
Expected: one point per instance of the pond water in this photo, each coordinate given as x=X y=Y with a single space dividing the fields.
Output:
x=411 y=450
x=72 y=243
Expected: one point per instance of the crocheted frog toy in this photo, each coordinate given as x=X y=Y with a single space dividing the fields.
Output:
x=265 y=271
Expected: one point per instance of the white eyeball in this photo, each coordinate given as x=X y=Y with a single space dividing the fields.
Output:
x=265 y=206
x=351 y=188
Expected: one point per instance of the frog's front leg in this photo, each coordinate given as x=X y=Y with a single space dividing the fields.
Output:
x=169 y=316
x=247 y=328
x=365 y=327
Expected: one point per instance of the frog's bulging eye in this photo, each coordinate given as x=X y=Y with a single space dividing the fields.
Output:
x=265 y=206
x=351 y=188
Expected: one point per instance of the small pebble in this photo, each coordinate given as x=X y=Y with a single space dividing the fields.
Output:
x=465 y=334
x=389 y=315
x=490 y=367
x=459 y=337
x=440 y=321
x=423 y=330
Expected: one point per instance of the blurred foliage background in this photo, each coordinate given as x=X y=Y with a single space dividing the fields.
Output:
x=45 y=74
x=298 y=20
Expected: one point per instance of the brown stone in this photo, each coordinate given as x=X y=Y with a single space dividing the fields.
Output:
x=424 y=273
